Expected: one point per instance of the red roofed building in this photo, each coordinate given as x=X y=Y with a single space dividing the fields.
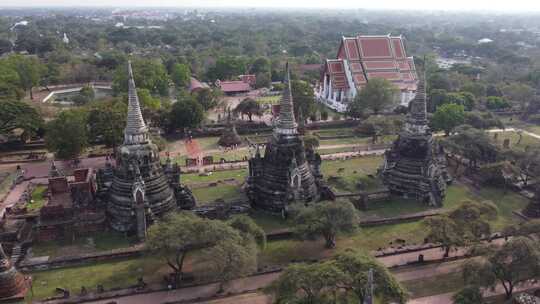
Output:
x=233 y=87
x=360 y=59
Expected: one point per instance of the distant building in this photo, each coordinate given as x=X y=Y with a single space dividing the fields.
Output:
x=360 y=59
x=195 y=85
x=237 y=86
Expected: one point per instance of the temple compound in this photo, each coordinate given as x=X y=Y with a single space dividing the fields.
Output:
x=70 y=209
x=12 y=283
x=287 y=172
x=140 y=188
x=360 y=59
x=415 y=166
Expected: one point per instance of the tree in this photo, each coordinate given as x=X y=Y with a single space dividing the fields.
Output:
x=356 y=266
x=249 y=228
x=10 y=83
x=472 y=144
x=378 y=94
x=520 y=93
x=526 y=164
x=263 y=80
x=447 y=117
x=462 y=226
x=343 y=279
x=248 y=107
x=311 y=142
x=106 y=122
x=437 y=97
x=18 y=115
x=66 y=135
x=468 y=295
x=497 y=103
x=260 y=65
x=148 y=102
x=208 y=98
x=326 y=219
x=29 y=71
x=304 y=98
x=306 y=283
x=149 y=74
x=483 y=120
x=86 y=94
x=515 y=262
x=181 y=75
x=185 y=113
x=222 y=247
x=226 y=68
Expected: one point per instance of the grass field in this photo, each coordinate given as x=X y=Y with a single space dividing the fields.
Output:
x=526 y=141
x=268 y=99
x=191 y=178
x=110 y=274
x=38 y=198
x=444 y=283
x=208 y=195
x=97 y=242
x=344 y=175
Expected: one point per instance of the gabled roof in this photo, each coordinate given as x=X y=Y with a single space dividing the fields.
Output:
x=373 y=56
x=234 y=86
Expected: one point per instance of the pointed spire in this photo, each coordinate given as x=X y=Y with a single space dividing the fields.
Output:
x=286 y=122
x=417 y=121
x=136 y=130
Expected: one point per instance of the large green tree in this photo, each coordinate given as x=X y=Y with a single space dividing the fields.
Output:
x=106 y=122
x=248 y=107
x=447 y=117
x=67 y=135
x=185 y=113
x=181 y=75
x=303 y=97
x=226 y=251
x=378 y=94
x=226 y=67
x=148 y=74
x=208 y=98
x=29 y=69
x=356 y=266
x=515 y=262
x=18 y=115
x=462 y=226
x=326 y=219
x=342 y=279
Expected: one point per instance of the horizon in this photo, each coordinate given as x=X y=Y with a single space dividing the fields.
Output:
x=518 y=6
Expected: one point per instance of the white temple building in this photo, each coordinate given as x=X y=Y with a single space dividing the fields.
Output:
x=360 y=59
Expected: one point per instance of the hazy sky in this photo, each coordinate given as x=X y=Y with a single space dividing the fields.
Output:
x=478 y=5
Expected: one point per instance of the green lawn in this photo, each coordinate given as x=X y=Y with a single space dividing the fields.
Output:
x=268 y=99
x=110 y=274
x=526 y=140
x=97 y=242
x=38 y=198
x=191 y=178
x=373 y=238
x=344 y=175
x=225 y=192
x=270 y=222
x=425 y=287
x=208 y=143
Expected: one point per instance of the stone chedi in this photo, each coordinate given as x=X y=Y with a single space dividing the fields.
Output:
x=229 y=137
x=415 y=166
x=141 y=187
x=286 y=173
x=11 y=281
